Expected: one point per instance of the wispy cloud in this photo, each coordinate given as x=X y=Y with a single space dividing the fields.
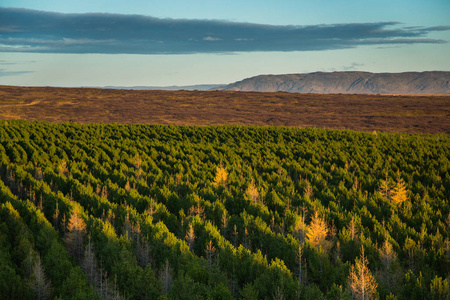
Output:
x=4 y=72
x=46 y=32
x=16 y=62
x=352 y=67
x=211 y=39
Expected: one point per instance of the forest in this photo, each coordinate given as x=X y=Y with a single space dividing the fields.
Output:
x=110 y=211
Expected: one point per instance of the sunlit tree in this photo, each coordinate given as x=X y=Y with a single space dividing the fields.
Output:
x=252 y=192
x=76 y=231
x=221 y=176
x=317 y=231
x=399 y=194
x=361 y=281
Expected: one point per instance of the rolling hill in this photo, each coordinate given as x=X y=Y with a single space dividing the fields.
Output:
x=436 y=82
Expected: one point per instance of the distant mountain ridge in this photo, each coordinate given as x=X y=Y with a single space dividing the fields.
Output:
x=198 y=87
x=351 y=82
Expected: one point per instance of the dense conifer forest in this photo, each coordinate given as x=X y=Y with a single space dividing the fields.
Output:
x=177 y=212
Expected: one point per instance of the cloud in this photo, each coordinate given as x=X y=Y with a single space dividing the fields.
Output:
x=211 y=39
x=13 y=63
x=352 y=67
x=4 y=72
x=24 y=30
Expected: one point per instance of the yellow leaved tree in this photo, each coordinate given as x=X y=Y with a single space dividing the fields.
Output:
x=317 y=231
x=221 y=176
x=399 y=194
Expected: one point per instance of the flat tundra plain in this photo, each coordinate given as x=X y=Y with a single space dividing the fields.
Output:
x=393 y=113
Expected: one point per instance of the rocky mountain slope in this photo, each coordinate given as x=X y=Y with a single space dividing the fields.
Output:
x=436 y=82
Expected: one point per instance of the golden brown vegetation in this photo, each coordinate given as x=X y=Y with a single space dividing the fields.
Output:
x=399 y=113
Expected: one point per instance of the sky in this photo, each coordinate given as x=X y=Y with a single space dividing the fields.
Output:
x=174 y=42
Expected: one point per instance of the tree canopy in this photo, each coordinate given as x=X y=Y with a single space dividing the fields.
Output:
x=165 y=212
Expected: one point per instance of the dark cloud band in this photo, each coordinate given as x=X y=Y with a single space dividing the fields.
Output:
x=46 y=32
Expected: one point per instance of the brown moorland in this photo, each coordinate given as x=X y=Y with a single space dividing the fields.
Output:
x=395 y=113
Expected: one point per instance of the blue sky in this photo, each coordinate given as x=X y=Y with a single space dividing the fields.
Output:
x=161 y=43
